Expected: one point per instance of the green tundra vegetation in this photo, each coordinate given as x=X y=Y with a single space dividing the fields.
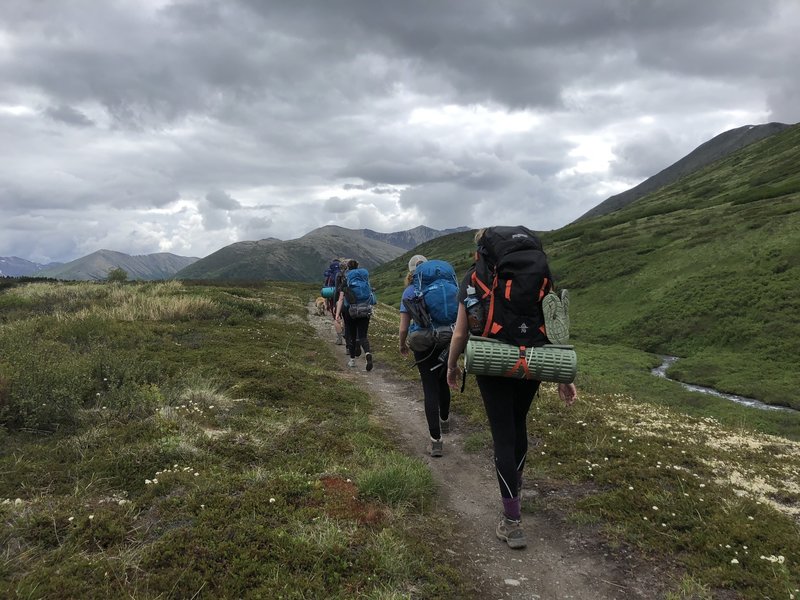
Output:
x=167 y=441
x=174 y=440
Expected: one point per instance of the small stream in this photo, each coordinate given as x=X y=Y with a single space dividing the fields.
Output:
x=661 y=371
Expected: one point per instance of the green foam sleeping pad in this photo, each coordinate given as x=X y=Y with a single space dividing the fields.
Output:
x=486 y=356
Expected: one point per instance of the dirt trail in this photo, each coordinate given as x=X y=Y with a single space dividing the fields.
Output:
x=558 y=564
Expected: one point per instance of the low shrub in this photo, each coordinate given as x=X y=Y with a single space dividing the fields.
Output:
x=398 y=480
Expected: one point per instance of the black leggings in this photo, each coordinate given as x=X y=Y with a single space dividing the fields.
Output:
x=434 y=388
x=507 y=402
x=356 y=332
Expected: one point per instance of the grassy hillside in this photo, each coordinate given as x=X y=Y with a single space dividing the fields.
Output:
x=164 y=441
x=711 y=151
x=707 y=269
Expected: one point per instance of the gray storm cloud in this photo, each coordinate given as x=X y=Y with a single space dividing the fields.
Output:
x=268 y=118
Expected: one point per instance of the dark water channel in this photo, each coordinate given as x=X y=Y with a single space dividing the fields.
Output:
x=661 y=371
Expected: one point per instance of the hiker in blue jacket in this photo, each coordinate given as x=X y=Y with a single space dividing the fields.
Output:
x=432 y=371
x=356 y=309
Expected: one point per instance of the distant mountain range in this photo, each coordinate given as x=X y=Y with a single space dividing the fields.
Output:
x=13 y=266
x=706 y=153
x=302 y=259
x=305 y=258
x=96 y=266
x=411 y=238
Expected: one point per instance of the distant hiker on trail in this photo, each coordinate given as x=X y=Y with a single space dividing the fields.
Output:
x=495 y=288
x=355 y=306
x=428 y=309
x=334 y=277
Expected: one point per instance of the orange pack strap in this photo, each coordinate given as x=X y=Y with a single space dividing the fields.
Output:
x=543 y=289
x=490 y=325
x=478 y=283
x=522 y=363
x=508 y=289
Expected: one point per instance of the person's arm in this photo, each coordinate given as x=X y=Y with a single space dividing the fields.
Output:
x=457 y=345
x=339 y=304
x=405 y=321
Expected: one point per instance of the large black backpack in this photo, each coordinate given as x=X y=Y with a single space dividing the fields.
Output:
x=511 y=278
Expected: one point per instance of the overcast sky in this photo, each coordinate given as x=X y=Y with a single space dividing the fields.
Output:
x=183 y=126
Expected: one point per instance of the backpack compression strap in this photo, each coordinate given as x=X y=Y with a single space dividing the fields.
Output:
x=546 y=286
x=491 y=327
x=522 y=363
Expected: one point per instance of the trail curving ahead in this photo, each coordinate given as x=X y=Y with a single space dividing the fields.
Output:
x=558 y=564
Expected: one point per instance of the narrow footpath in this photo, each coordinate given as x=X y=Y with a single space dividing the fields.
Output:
x=558 y=564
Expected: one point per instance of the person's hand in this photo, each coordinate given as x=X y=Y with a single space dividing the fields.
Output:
x=454 y=377
x=403 y=350
x=568 y=393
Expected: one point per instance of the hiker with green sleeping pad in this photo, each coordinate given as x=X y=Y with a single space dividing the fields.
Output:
x=501 y=300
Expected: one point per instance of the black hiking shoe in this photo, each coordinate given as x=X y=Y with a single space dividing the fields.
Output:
x=369 y=361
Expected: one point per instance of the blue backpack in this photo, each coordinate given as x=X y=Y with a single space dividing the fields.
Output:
x=434 y=307
x=435 y=282
x=358 y=289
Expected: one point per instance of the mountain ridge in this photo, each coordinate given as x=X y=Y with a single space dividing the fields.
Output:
x=705 y=154
x=304 y=258
x=14 y=266
x=95 y=266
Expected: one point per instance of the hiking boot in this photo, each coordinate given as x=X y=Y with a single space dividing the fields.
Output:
x=510 y=531
x=351 y=362
x=437 y=448
x=339 y=341
x=444 y=425
x=369 y=361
